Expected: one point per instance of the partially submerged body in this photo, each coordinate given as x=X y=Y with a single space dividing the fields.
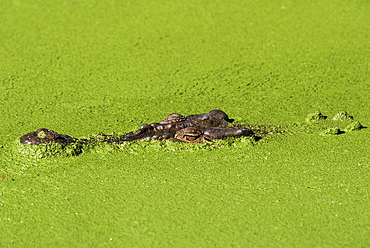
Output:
x=44 y=135
x=175 y=127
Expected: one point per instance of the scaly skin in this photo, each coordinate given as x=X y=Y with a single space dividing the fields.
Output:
x=44 y=135
x=175 y=127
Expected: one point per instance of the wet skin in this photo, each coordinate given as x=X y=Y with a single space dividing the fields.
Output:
x=175 y=127
x=44 y=135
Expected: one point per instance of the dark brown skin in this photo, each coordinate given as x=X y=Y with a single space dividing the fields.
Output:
x=175 y=127
x=199 y=135
x=44 y=135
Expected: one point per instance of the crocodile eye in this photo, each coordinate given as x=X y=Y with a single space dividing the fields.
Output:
x=191 y=138
x=192 y=134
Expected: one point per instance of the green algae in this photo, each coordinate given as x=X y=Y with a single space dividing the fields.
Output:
x=331 y=131
x=41 y=134
x=51 y=149
x=86 y=67
x=354 y=126
x=341 y=116
x=315 y=117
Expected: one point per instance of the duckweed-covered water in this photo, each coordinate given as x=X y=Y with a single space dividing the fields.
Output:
x=297 y=71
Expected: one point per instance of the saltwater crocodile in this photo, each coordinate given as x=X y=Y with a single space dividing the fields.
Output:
x=175 y=127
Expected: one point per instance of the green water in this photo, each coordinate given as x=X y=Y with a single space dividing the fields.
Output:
x=85 y=67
